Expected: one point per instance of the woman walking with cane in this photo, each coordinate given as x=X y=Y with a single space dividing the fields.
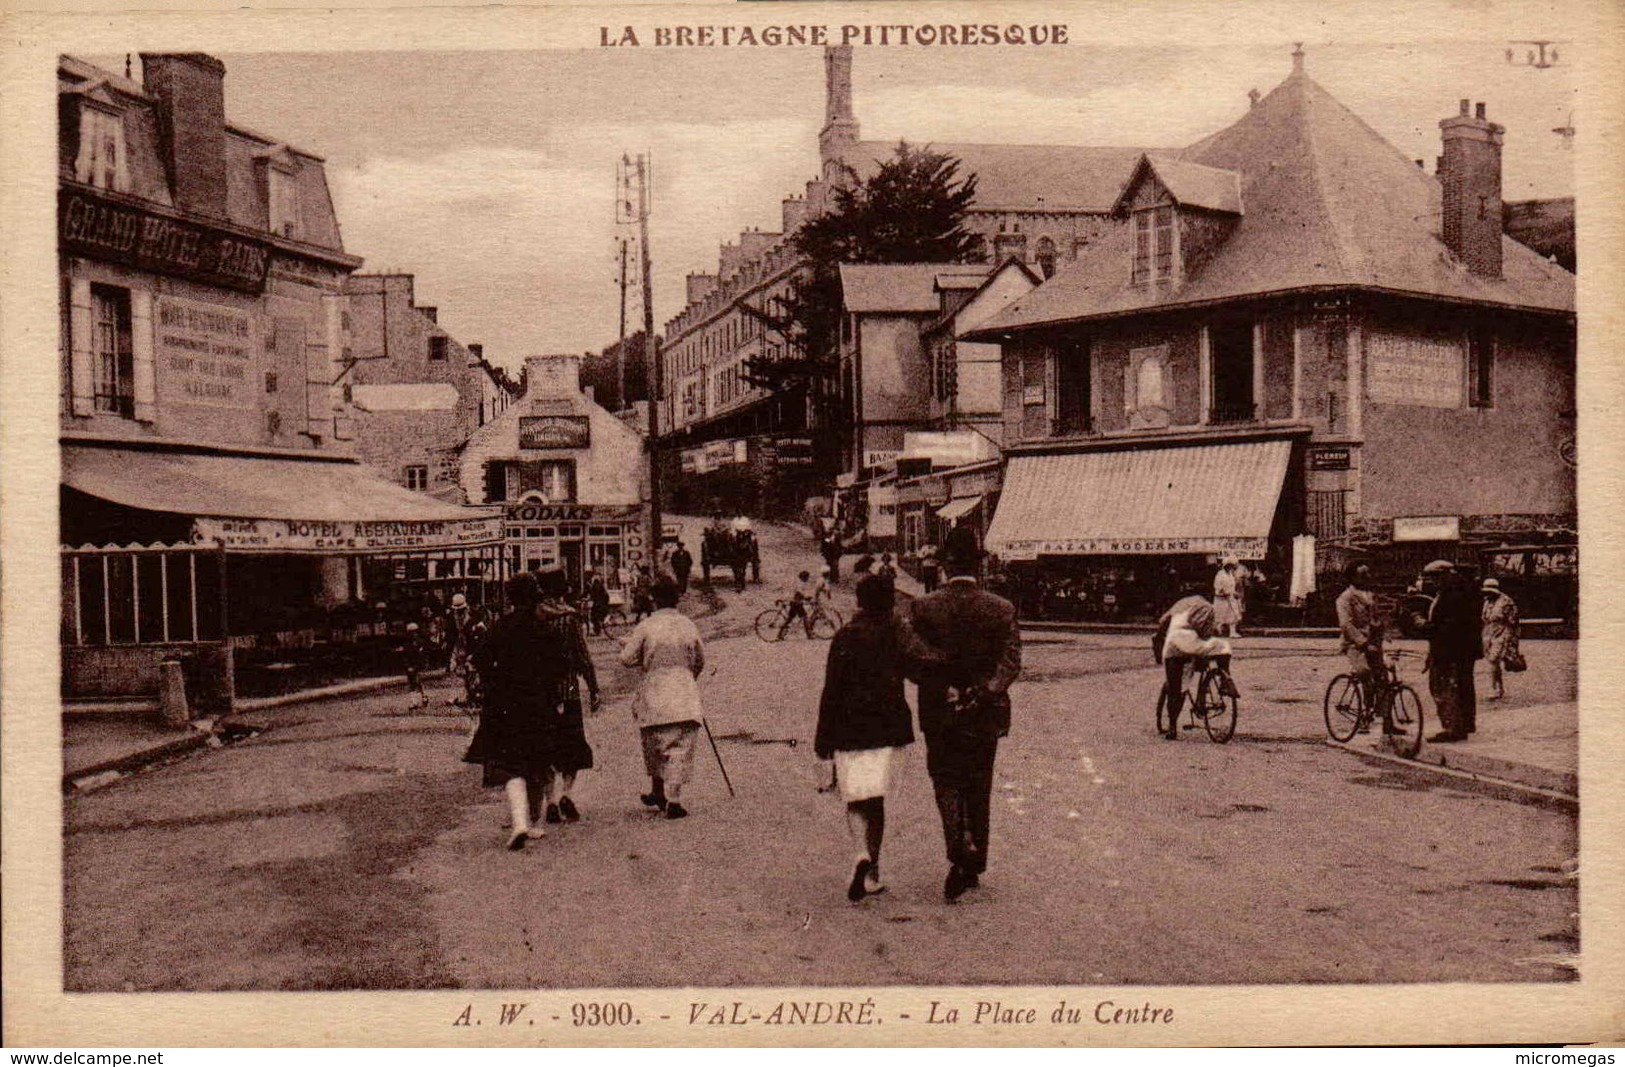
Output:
x=864 y=720
x=666 y=647
x=527 y=732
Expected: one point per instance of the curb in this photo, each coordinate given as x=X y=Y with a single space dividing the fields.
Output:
x=134 y=761
x=326 y=692
x=1520 y=777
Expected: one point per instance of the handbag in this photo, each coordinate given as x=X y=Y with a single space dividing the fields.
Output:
x=1514 y=661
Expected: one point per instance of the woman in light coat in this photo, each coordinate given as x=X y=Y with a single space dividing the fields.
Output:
x=666 y=647
x=1500 y=618
x=1227 y=599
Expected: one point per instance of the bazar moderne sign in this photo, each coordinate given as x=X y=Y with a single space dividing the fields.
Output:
x=345 y=536
x=1241 y=547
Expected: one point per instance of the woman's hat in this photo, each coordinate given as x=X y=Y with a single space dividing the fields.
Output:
x=1439 y=566
x=458 y=600
x=1229 y=561
x=1491 y=585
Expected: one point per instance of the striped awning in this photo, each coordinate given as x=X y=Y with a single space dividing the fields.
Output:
x=1194 y=499
x=958 y=507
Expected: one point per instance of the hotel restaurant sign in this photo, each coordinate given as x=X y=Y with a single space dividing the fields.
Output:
x=1240 y=547
x=89 y=225
x=327 y=537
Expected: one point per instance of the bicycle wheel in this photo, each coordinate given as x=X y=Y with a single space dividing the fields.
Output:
x=1406 y=712
x=1344 y=707
x=768 y=623
x=825 y=624
x=614 y=624
x=1215 y=706
x=1163 y=725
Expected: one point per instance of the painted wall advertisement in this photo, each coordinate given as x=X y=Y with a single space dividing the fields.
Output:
x=555 y=431
x=1422 y=371
x=205 y=353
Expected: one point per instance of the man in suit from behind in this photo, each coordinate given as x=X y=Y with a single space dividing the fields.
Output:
x=965 y=704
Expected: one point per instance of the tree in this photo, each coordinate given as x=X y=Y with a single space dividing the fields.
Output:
x=911 y=210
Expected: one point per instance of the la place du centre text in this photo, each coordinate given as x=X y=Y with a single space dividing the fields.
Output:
x=928 y=34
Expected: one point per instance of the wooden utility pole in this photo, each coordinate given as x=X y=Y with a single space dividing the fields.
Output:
x=620 y=353
x=652 y=370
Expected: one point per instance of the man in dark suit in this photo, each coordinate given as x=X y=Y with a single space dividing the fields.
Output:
x=965 y=704
x=1454 y=643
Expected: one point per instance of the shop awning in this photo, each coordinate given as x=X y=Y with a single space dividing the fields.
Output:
x=1197 y=499
x=958 y=507
x=261 y=504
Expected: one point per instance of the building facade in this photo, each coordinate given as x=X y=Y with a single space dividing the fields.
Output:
x=417 y=392
x=212 y=506
x=571 y=477
x=1297 y=332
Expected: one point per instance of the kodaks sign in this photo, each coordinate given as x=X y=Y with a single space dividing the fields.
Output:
x=345 y=537
x=138 y=237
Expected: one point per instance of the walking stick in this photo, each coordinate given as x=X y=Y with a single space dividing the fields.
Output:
x=720 y=765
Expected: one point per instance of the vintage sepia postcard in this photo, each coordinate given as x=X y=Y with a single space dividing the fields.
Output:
x=1067 y=523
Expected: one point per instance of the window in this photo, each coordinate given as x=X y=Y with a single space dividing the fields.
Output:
x=273 y=422
x=1073 y=389
x=944 y=371
x=270 y=381
x=1155 y=245
x=417 y=477
x=1231 y=355
x=102 y=161
x=284 y=202
x=437 y=347
x=555 y=480
x=113 y=351
x=1481 y=369
x=1046 y=257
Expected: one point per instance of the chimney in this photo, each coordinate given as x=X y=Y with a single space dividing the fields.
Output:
x=1297 y=57
x=476 y=352
x=432 y=314
x=729 y=259
x=1470 y=176
x=190 y=88
x=700 y=286
x=794 y=214
x=1252 y=99
x=753 y=244
x=552 y=377
x=817 y=197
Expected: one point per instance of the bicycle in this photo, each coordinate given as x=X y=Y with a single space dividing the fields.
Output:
x=613 y=625
x=1213 y=701
x=822 y=622
x=1349 y=709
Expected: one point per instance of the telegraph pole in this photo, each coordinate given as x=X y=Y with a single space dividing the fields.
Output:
x=652 y=370
x=620 y=353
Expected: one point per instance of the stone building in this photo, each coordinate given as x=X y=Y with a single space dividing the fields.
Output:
x=1298 y=332
x=571 y=476
x=212 y=507
x=417 y=391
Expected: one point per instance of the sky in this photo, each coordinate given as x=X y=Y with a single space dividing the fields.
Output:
x=491 y=175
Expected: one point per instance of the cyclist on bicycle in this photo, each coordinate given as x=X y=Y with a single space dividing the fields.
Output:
x=1186 y=634
x=802 y=601
x=1362 y=634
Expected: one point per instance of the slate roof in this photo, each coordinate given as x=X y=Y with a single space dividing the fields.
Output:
x=1025 y=176
x=1190 y=184
x=1329 y=203
x=903 y=288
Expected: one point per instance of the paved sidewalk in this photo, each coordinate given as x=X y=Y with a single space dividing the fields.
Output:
x=1533 y=745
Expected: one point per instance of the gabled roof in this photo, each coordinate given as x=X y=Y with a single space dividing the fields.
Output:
x=1026 y=176
x=1190 y=184
x=1330 y=204
x=946 y=319
x=903 y=288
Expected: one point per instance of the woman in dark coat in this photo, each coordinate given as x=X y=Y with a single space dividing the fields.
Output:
x=531 y=727
x=864 y=720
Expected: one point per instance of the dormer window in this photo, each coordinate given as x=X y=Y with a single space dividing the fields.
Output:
x=102 y=159
x=283 y=199
x=1156 y=244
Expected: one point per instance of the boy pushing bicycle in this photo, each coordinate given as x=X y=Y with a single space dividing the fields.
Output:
x=1186 y=635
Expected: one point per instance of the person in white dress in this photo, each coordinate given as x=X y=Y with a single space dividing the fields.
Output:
x=667 y=648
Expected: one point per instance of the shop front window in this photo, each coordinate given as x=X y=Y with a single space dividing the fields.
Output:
x=553 y=480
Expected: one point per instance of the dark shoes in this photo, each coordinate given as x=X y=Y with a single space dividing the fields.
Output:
x=1445 y=737
x=516 y=840
x=654 y=800
x=567 y=810
x=552 y=813
x=855 y=892
x=958 y=880
x=675 y=810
